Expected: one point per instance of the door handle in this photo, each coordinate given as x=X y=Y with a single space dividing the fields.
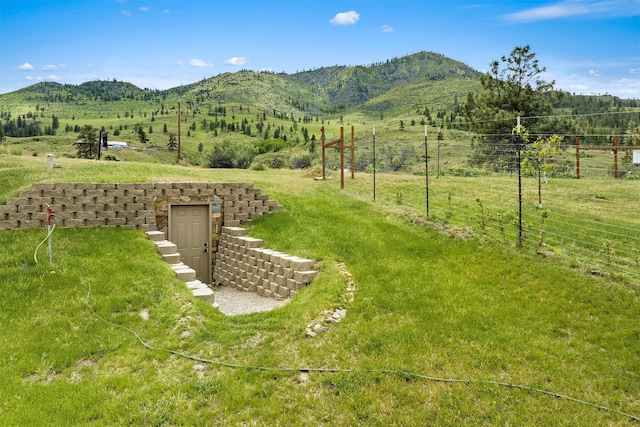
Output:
x=206 y=248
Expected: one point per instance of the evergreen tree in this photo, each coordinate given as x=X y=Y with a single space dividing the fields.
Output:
x=513 y=87
x=142 y=136
x=172 y=144
x=88 y=144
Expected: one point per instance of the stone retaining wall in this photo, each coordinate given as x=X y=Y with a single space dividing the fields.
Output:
x=243 y=263
x=131 y=205
x=134 y=205
x=237 y=261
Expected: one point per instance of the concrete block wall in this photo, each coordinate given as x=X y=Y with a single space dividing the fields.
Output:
x=243 y=263
x=131 y=205
x=237 y=261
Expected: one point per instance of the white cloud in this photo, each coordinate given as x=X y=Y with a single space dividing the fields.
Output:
x=180 y=62
x=24 y=67
x=54 y=67
x=126 y=13
x=634 y=70
x=387 y=29
x=166 y=11
x=594 y=73
x=568 y=8
x=145 y=8
x=345 y=18
x=236 y=60
x=48 y=78
x=199 y=63
x=28 y=78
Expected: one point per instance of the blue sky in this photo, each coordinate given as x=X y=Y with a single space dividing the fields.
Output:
x=588 y=46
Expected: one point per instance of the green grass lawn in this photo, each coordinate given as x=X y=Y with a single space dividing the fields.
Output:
x=428 y=307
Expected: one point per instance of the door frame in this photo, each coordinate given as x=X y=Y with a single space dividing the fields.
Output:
x=209 y=272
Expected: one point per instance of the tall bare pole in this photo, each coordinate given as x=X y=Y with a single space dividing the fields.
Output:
x=341 y=157
x=178 y=161
x=426 y=167
x=374 y=163
x=353 y=152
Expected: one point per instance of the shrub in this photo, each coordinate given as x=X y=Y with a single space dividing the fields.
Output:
x=230 y=154
x=258 y=166
x=301 y=160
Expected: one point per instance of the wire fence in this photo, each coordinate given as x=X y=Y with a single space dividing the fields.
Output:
x=588 y=220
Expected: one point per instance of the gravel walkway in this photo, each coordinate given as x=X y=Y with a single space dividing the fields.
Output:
x=232 y=301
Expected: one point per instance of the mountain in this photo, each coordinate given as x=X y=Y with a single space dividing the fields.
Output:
x=314 y=92
x=347 y=87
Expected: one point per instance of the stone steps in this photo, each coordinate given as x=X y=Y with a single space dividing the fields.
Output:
x=170 y=255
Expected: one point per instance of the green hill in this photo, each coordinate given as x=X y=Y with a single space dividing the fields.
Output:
x=274 y=111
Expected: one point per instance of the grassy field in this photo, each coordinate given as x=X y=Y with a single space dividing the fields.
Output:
x=442 y=330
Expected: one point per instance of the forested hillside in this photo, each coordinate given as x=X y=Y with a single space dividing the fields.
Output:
x=265 y=113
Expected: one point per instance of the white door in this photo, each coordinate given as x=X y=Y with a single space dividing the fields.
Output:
x=189 y=230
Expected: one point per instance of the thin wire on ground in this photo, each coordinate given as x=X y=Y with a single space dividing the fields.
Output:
x=396 y=372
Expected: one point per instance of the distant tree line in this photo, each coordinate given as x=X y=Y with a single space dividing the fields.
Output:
x=26 y=126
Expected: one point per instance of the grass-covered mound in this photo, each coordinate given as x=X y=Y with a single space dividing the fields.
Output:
x=426 y=305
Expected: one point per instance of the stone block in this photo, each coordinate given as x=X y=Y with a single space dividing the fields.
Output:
x=147 y=186
x=43 y=185
x=304 y=277
x=92 y=208
x=115 y=222
x=73 y=222
x=189 y=192
x=166 y=247
x=125 y=186
x=134 y=206
x=85 y=185
x=126 y=214
x=292 y=284
x=288 y=273
x=106 y=214
x=250 y=242
x=283 y=291
x=301 y=264
x=94 y=193
x=155 y=235
x=95 y=222
x=204 y=294
x=273 y=288
x=105 y=186
x=82 y=200
x=234 y=231
x=8 y=224
x=161 y=185
x=29 y=208
x=86 y=215
x=73 y=192
x=104 y=200
x=136 y=221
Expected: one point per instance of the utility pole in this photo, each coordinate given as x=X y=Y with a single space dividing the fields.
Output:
x=374 y=163
x=178 y=161
x=426 y=167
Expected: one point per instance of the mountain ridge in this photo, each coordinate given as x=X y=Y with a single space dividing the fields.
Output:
x=322 y=90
